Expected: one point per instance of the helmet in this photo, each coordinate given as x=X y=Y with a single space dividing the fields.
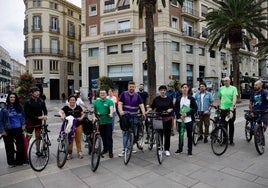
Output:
x=76 y=91
x=34 y=89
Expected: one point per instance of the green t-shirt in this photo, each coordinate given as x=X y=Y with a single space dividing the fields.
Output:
x=226 y=94
x=102 y=107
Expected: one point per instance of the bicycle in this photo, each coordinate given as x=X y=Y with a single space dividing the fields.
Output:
x=249 y=125
x=134 y=135
x=151 y=132
x=39 y=149
x=196 y=130
x=219 y=136
x=259 y=138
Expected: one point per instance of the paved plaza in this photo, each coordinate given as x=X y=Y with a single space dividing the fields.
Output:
x=241 y=166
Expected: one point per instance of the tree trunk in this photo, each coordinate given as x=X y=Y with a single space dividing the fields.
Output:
x=151 y=75
x=236 y=71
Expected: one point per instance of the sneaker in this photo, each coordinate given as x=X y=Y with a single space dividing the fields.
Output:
x=80 y=155
x=232 y=144
x=11 y=166
x=178 y=152
x=134 y=151
x=200 y=138
x=104 y=152
x=69 y=156
x=172 y=133
x=206 y=139
x=190 y=154
x=167 y=153
x=111 y=155
x=121 y=154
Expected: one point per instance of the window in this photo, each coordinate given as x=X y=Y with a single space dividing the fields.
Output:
x=223 y=56
x=71 y=30
x=126 y=48
x=93 y=30
x=212 y=54
x=109 y=28
x=189 y=74
x=144 y=46
x=36 y=3
x=189 y=49
x=70 y=12
x=36 y=45
x=112 y=49
x=201 y=51
x=93 y=10
x=124 y=26
x=37 y=23
x=201 y=71
x=123 y=4
x=174 y=23
x=53 y=65
x=54 y=24
x=71 y=50
x=175 y=71
x=204 y=10
x=188 y=6
x=37 y=65
x=175 y=46
x=53 y=5
x=70 y=68
x=54 y=44
x=93 y=52
x=188 y=28
x=109 y=6
x=204 y=32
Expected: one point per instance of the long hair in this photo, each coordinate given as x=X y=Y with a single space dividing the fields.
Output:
x=16 y=104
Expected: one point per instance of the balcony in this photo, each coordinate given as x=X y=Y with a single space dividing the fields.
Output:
x=124 y=30
x=192 y=34
x=71 y=55
x=109 y=33
x=43 y=51
x=190 y=13
x=54 y=30
x=71 y=34
x=37 y=28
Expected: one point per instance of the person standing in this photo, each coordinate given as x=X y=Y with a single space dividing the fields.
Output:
x=171 y=93
x=89 y=97
x=185 y=117
x=163 y=103
x=79 y=101
x=204 y=100
x=35 y=112
x=72 y=109
x=227 y=101
x=130 y=102
x=144 y=96
x=114 y=99
x=105 y=108
x=12 y=125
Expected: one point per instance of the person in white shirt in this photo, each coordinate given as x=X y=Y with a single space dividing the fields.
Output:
x=114 y=99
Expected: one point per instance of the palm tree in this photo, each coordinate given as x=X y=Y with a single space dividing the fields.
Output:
x=227 y=23
x=149 y=6
x=263 y=49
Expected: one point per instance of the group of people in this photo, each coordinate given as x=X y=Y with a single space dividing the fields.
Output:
x=15 y=119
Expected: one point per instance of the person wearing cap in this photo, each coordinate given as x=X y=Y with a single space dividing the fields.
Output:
x=204 y=100
x=185 y=118
x=172 y=95
x=227 y=100
x=35 y=112
x=162 y=103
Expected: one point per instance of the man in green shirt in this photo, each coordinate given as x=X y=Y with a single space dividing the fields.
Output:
x=227 y=100
x=104 y=107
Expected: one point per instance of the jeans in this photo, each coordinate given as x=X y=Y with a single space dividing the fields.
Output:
x=134 y=121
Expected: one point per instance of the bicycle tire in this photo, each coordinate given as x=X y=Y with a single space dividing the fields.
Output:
x=84 y=137
x=62 y=151
x=140 y=136
x=96 y=153
x=259 y=139
x=195 y=133
x=248 y=132
x=151 y=138
x=129 y=147
x=39 y=159
x=159 y=147
x=219 y=140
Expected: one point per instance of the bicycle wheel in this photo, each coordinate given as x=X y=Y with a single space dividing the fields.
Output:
x=140 y=136
x=96 y=153
x=259 y=139
x=248 y=132
x=219 y=140
x=151 y=138
x=129 y=147
x=38 y=154
x=195 y=133
x=62 y=151
x=84 y=137
x=159 y=147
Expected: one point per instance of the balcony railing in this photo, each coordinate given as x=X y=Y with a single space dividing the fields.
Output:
x=71 y=34
x=54 y=30
x=124 y=30
x=192 y=34
x=190 y=11
x=37 y=28
x=42 y=51
x=71 y=55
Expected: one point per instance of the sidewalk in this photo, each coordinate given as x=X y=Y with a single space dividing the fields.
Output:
x=240 y=166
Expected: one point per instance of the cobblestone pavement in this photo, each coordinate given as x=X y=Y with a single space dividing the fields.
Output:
x=240 y=166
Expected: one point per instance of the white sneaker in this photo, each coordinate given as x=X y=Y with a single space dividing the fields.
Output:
x=167 y=153
x=121 y=154
x=69 y=156
x=134 y=151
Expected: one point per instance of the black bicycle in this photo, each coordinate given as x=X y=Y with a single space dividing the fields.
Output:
x=39 y=149
x=196 y=129
x=249 y=125
x=259 y=138
x=219 y=136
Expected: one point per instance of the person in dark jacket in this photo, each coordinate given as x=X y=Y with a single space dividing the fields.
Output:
x=12 y=125
x=185 y=118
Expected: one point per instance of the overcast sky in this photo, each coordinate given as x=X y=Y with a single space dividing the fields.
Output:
x=11 y=27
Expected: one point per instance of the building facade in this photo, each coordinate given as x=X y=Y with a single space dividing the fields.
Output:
x=114 y=45
x=52 y=45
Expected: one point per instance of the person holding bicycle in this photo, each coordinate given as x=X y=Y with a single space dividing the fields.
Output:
x=105 y=108
x=227 y=101
x=35 y=112
x=185 y=118
x=130 y=102
x=163 y=103
x=204 y=100
x=259 y=101
x=12 y=125
x=72 y=109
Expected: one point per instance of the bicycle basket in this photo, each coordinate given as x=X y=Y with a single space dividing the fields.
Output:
x=124 y=123
x=158 y=124
x=87 y=126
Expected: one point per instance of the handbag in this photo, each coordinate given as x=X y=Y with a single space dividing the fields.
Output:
x=158 y=124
